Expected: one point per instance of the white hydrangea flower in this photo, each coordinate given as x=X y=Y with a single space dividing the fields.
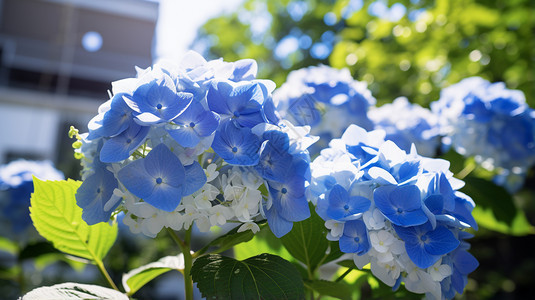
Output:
x=336 y=228
x=211 y=172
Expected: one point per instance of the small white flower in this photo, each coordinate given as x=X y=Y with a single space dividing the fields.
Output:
x=439 y=271
x=203 y=223
x=219 y=215
x=374 y=219
x=337 y=228
x=381 y=240
x=211 y=172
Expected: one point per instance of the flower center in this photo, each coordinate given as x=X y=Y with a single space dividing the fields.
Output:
x=234 y=149
x=399 y=210
x=191 y=124
x=346 y=207
x=236 y=114
x=284 y=191
x=159 y=180
x=357 y=239
x=128 y=141
x=159 y=106
x=423 y=238
x=98 y=190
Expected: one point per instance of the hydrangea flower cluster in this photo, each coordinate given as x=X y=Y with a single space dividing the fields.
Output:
x=490 y=122
x=400 y=212
x=325 y=98
x=193 y=143
x=16 y=178
x=406 y=124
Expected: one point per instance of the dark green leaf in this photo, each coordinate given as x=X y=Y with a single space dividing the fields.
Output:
x=37 y=249
x=307 y=241
x=265 y=276
x=229 y=240
x=340 y=290
x=488 y=195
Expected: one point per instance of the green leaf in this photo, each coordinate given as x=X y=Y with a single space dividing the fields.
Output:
x=519 y=226
x=137 y=278
x=307 y=241
x=264 y=276
x=72 y=290
x=264 y=241
x=8 y=246
x=488 y=195
x=228 y=240
x=340 y=290
x=57 y=218
x=36 y=249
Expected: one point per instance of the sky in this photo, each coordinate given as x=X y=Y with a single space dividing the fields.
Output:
x=179 y=21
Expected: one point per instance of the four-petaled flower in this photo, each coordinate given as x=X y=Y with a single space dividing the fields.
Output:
x=160 y=179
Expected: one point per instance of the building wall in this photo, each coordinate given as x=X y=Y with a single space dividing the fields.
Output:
x=48 y=80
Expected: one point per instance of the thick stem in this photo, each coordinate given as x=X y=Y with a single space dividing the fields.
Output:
x=188 y=260
x=104 y=273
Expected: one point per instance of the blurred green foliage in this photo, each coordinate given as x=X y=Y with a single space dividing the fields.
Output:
x=434 y=43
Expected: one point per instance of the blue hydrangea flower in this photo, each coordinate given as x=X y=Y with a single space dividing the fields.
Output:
x=120 y=147
x=157 y=100
x=92 y=196
x=491 y=123
x=194 y=143
x=343 y=207
x=194 y=124
x=275 y=158
x=241 y=102
x=426 y=245
x=16 y=187
x=160 y=178
x=415 y=216
x=406 y=124
x=401 y=205
x=238 y=146
x=327 y=99
x=355 y=238
x=115 y=118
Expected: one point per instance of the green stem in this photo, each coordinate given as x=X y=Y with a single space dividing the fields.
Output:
x=106 y=275
x=344 y=275
x=188 y=260
x=466 y=171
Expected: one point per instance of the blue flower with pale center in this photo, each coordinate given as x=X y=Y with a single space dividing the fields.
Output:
x=402 y=205
x=425 y=245
x=195 y=123
x=241 y=102
x=120 y=147
x=94 y=193
x=114 y=121
x=157 y=100
x=236 y=145
x=274 y=157
x=355 y=238
x=343 y=207
x=289 y=204
x=160 y=179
